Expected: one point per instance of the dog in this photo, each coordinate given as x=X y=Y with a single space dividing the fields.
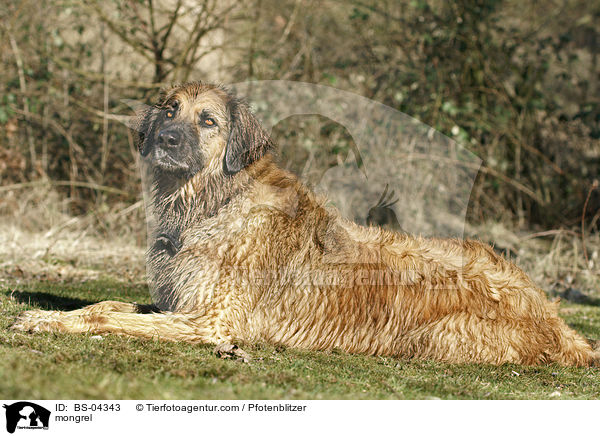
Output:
x=241 y=251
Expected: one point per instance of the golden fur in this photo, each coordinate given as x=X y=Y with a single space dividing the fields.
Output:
x=262 y=259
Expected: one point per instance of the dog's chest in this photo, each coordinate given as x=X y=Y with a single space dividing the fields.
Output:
x=231 y=236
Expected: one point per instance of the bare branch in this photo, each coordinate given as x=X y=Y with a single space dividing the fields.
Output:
x=136 y=44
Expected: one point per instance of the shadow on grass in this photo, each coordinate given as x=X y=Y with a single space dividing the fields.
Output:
x=49 y=301
x=576 y=296
x=571 y=295
x=588 y=301
x=592 y=302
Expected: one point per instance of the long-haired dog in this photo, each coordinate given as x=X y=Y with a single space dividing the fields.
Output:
x=241 y=251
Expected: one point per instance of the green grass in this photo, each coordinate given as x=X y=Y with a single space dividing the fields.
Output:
x=65 y=366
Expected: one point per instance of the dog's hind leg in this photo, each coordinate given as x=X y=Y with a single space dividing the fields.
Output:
x=569 y=348
x=460 y=338
x=124 y=319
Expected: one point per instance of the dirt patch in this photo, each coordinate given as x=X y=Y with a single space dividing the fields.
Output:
x=67 y=256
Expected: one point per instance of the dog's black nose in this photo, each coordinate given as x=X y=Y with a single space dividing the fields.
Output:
x=169 y=138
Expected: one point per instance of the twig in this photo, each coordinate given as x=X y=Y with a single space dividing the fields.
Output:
x=549 y=233
x=484 y=169
x=75 y=184
x=96 y=77
x=122 y=31
x=23 y=87
x=592 y=188
x=288 y=26
x=131 y=208
x=56 y=229
x=123 y=119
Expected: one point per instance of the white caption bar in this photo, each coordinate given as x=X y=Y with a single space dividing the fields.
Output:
x=165 y=417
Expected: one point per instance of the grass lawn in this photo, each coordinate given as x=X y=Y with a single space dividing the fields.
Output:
x=65 y=366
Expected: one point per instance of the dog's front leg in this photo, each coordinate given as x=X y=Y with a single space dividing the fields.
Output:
x=124 y=319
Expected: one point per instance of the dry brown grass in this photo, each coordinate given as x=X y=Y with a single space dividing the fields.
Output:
x=553 y=258
x=39 y=240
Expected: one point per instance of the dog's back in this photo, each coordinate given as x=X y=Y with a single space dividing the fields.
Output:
x=285 y=269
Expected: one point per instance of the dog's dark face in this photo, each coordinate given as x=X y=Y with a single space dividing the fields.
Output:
x=200 y=128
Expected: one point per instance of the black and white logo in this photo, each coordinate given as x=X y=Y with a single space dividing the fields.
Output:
x=26 y=415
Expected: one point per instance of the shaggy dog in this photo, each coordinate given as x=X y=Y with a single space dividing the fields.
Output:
x=242 y=252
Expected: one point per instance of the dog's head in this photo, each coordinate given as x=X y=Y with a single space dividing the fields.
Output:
x=197 y=127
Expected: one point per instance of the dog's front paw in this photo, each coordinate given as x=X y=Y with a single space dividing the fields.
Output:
x=38 y=321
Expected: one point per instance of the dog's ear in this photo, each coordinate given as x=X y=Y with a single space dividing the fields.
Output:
x=141 y=127
x=247 y=140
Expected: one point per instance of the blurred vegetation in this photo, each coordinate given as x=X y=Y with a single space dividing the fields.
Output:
x=515 y=82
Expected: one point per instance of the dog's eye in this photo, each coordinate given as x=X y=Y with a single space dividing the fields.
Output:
x=209 y=122
x=172 y=109
x=205 y=120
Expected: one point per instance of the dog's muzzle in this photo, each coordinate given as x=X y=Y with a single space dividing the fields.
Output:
x=169 y=139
